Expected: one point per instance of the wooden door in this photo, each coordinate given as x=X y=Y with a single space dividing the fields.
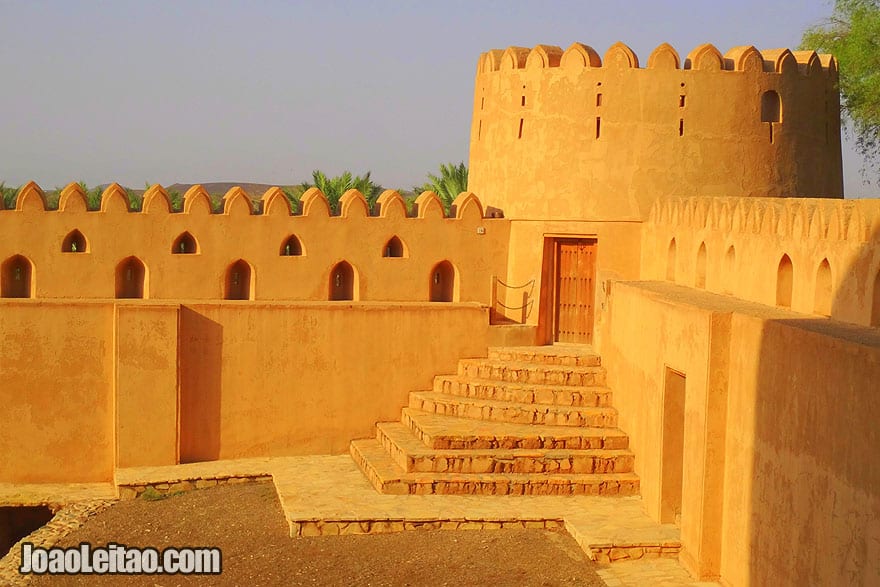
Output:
x=574 y=290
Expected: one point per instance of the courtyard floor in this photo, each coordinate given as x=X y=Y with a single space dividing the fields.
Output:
x=328 y=496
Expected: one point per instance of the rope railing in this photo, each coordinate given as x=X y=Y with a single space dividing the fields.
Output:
x=528 y=299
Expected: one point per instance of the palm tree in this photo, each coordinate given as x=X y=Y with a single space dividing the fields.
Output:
x=452 y=181
x=333 y=188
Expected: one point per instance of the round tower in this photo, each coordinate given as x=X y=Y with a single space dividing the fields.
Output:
x=567 y=135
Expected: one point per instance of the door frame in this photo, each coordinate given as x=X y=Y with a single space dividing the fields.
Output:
x=546 y=332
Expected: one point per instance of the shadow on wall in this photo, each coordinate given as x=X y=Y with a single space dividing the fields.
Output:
x=201 y=358
x=814 y=505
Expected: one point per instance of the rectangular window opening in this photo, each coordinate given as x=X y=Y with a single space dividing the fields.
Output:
x=598 y=126
x=520 y=128
x=598 y=99
x=523 y=101
x=770 y=124
x=681 y=101
x=681 y=127
x=482 y=103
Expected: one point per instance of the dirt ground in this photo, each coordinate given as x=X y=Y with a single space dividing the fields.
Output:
x=246 y=523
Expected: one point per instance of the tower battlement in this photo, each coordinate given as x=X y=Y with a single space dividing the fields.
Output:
x=705 y=57
x=601 y=138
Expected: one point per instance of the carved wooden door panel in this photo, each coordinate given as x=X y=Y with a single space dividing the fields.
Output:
x=574 y=290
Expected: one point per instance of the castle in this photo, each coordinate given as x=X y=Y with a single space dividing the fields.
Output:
x=685 y=219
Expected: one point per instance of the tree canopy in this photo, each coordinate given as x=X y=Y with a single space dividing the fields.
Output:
x=852 y=35
x=334 y=187
x=453 y=180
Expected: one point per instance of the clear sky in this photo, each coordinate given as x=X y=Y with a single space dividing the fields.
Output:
x=266 y=91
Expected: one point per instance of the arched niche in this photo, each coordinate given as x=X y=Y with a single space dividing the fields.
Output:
x=239 y=284
x=822 y=299
x=394 y=248
x=700 y=280
x=16 y=277
x=185 y=244
x=443 y=285
x=74 y=242
x=291 y=247
x=343 y=282
x=784 y=282
x=131 y=278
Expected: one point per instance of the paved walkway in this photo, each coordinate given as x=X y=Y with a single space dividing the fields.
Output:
x=330 y=495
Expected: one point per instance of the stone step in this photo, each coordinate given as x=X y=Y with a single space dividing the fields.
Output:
x=519 y=372
x=571 y=355
x=409 y=453
x=527 y=393
x=384 y=474
x=438 y=431
x=515 y=412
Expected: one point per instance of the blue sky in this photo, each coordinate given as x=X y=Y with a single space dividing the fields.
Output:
x=267 y=91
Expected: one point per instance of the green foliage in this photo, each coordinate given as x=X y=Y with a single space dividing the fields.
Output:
x=293 y=195
x=8 y=194
x=150 y=494
x=335 y=187
x=136 y=201
x=852 y=35
x=93 y=196
x=452 y=181
x=176 y=200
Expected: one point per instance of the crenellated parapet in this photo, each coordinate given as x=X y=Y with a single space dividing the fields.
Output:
x=815 y=219
x=814 y=255
x=279 y=252
x=705 y=57
x=602 y=137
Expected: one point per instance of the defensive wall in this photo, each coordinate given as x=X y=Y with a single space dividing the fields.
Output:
x=235 y=254
x=156 y=337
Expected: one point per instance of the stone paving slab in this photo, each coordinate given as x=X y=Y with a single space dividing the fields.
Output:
x=34 y=494
x=329 y=488
x=656 y=572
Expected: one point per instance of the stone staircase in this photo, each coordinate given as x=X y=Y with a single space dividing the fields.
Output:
x=524 y=421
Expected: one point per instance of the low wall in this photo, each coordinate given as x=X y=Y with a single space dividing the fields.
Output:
x=166 y=382
x=778 y=482
x=56 y=422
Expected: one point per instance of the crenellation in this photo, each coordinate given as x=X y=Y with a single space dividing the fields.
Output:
x=664 y=57
x=236 y=202
x=579 y=56
x=275 y=203
x=197 y=201
x=706 y=57
x=352 y=204
x=156 y=201
x=73 y=199
x=235 y=253
x=390 y=204
x=31 y=199
x=115 y=200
